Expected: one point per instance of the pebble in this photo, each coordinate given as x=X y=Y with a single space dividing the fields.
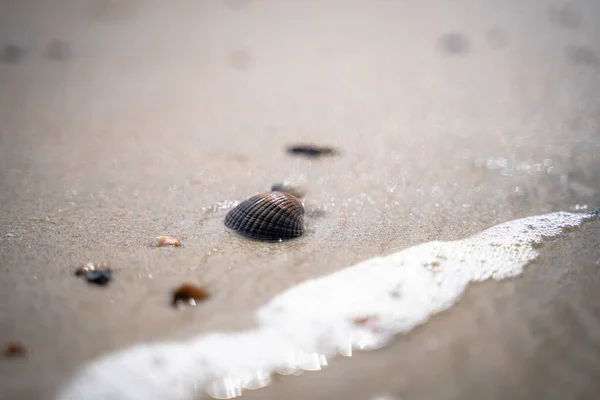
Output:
x=98 y=274
x=99 y=277
x=189 y=293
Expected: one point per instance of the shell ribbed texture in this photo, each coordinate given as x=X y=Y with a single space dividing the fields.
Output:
x=268 y=216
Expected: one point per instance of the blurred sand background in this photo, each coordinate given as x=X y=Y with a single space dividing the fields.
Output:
x=126 y=119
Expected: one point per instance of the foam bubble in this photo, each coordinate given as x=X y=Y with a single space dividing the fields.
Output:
x=360 y=307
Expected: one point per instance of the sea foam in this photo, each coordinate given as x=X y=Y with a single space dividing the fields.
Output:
x=359 y=307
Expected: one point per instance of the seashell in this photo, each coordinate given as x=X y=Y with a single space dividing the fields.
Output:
x=268 y=216
x=286 y=187
x=162 y=241
x=310 y=150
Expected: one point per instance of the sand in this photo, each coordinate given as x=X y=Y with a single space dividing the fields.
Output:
x=124 y=120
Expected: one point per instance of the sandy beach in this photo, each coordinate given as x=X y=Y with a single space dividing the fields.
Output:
x=124 y=120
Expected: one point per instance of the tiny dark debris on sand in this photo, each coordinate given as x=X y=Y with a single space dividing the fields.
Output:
x=98 y=274
x=188 y=294
x=162 y=241
x=310 y=150
x=14 y=349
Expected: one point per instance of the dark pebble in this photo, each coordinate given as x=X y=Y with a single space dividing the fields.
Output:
x=99 y=277
x=188 y=294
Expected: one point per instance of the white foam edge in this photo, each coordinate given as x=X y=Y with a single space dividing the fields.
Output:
x=359 y=307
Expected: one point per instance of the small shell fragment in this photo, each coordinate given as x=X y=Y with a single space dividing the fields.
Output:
x=287 y=187
x=310 y=150
x=14 y=349
x=162 y=241
x=190 y=294
x=88 y=267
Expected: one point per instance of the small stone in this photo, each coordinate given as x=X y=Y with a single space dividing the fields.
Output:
x=99 y=277
x=190 y=294
x=162 y=241
x=98 y=274
x=310 y=150
x=286 y=187
x=14 y=349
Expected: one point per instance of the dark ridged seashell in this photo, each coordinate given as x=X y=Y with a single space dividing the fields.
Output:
x=268 y=216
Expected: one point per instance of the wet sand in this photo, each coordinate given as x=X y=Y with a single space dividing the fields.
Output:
x=149 y=119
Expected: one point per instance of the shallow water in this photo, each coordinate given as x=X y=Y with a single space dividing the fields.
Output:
x=359 y=307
